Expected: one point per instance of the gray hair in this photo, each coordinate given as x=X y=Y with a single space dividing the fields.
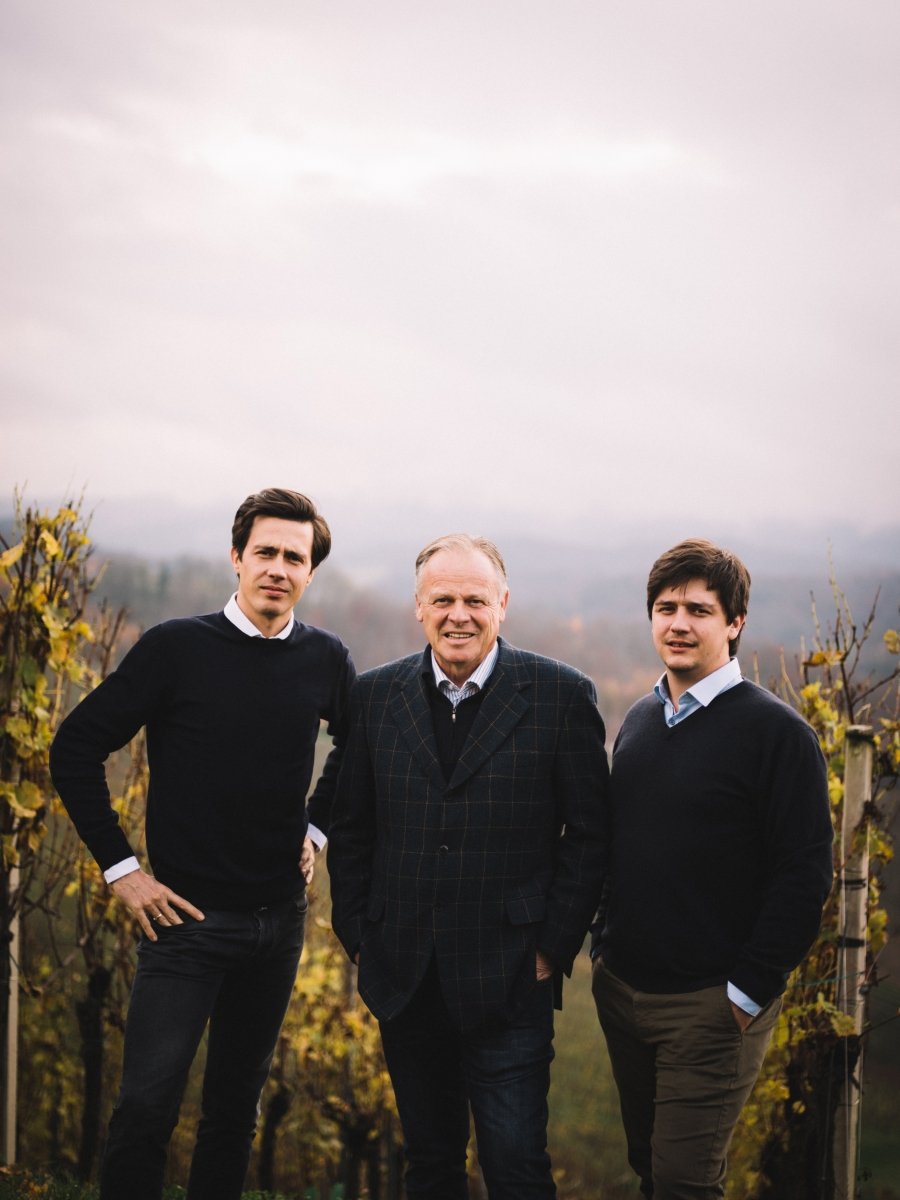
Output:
x=461 y=541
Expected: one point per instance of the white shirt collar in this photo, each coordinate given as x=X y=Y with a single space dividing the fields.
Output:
x=239 y=618
x=479 y=676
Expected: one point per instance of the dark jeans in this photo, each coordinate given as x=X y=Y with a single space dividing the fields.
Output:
x=502 y=1072
x=234 y=971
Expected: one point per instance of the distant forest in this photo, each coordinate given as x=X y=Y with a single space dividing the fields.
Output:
x=615 y=650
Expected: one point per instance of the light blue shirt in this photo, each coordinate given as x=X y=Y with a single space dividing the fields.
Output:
x=698 y=695
x=701 y=695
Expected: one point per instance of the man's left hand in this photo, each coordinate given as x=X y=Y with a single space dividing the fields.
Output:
x=308 y=860
x=543 y=967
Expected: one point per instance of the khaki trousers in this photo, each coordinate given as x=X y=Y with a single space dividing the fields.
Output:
x=684 y=1071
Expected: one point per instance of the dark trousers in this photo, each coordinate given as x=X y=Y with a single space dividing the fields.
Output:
x=502 y=1072
x=234 y=971
x=684 y=1071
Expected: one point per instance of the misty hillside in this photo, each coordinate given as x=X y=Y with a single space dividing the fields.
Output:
x=603 y=629
x=580 y=598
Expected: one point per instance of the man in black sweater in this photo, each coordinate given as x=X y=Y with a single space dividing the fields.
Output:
x=232 y=703
x=720 y=862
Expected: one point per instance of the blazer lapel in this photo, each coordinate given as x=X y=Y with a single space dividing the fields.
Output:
x=411 y=712
x=503 y=707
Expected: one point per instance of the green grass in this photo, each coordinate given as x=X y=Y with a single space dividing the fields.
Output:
x=879 y=1155
x=879 y=1142
x=19 y=1184
x=587 y=1144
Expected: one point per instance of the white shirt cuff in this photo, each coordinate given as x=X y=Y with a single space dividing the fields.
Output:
x=742 y=1000
x=317 y=837
x=125 y=867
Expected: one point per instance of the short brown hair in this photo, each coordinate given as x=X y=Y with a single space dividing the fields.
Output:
x=721 y=571
x=461 y=541
x=290 y=506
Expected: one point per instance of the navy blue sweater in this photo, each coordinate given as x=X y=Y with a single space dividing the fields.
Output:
x=232 y=723
x=721 y=846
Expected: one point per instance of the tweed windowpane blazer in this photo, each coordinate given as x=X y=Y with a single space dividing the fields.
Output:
x=484 y=869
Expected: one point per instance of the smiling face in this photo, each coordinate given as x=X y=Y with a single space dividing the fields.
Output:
x=274 y=571
x=461 y=601
x=691 y=633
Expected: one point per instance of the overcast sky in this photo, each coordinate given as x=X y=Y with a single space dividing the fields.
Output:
x=532 y=263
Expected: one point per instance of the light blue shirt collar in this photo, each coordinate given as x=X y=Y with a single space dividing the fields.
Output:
x=477 y=679
x=698 y=695
x=237 y=617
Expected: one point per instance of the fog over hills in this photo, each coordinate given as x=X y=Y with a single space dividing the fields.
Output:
x=597 y=568
x=378 y=542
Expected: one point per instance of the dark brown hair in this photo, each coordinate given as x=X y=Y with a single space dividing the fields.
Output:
x=721 y=571
x=290 y=506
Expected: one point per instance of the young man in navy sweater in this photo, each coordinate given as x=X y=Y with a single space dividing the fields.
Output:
x=232 y=703
x=720 y=862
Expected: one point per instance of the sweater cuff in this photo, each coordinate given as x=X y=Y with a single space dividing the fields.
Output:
x=125 y=867
x=316 y=836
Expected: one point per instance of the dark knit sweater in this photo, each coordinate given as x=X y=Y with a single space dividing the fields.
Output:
x=451 y=725
x=721 y=846
x=232 y=723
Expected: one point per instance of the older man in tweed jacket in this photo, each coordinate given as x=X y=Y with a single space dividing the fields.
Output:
x=466 y=853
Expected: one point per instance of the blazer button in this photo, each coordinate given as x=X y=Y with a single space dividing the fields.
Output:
x=443 y=849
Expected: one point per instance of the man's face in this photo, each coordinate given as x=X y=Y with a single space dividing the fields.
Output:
x=461 y=601
x=691 y=633
x=273 y=571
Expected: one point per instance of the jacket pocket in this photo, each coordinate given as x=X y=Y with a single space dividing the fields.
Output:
x=526 y=910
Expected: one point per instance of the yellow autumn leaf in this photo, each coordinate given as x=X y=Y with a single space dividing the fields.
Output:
x=29 y=793
x=52 y=548
x=10 y=557
x=821 y=658
x=18 y=728
x=23 y=814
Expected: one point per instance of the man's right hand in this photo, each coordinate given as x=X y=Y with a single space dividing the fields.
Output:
x=151 y=901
